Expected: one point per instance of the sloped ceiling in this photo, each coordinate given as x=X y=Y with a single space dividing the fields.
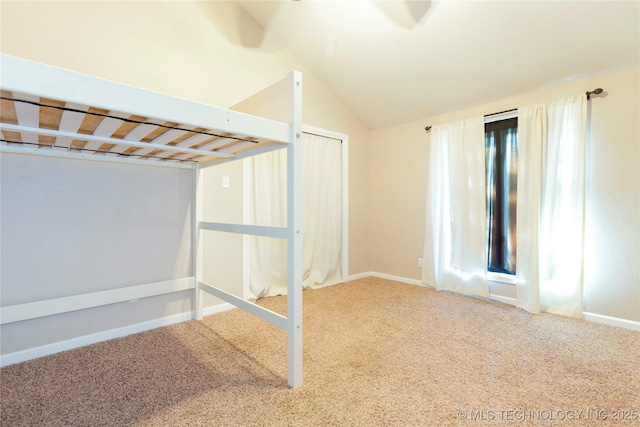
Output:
x=397 y=61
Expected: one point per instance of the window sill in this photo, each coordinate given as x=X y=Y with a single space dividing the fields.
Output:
x=509 y=279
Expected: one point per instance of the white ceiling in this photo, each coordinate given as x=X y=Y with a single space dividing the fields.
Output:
x=396 y=61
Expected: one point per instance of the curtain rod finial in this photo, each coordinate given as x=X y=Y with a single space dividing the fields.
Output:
x=597 y=91
x=428 y=128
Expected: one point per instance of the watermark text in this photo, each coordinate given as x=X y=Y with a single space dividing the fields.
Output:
x=591 y=414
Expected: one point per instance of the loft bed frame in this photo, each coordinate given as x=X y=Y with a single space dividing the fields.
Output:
x=59 y=113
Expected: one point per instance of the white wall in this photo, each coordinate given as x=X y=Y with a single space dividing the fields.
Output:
x=223 y=252
x=399 y=159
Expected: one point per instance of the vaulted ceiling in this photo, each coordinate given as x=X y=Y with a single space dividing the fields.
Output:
x=397 y=61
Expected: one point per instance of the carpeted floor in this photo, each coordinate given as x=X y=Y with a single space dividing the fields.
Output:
x=376 y=353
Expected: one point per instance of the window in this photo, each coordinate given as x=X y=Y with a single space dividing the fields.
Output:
x=501 y=145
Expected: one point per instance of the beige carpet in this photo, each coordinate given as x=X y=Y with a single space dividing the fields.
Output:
x=376 y=353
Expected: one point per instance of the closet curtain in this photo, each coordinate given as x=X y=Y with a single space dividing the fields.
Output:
x=321 y=217
x=551 y=200
x=455 y=252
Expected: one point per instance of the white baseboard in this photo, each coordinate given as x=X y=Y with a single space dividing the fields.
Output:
x=384 y=276
x=397 y=278
x=45 y=350
x=502 y=299
x=493 y=297
x=613 y=321
x=591 y=317
x=358 y=276
x=218 y=308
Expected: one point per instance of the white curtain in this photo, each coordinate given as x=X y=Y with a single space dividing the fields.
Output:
x=550 y=206
x=321 y=217
x=455 y=253
x=267 y=205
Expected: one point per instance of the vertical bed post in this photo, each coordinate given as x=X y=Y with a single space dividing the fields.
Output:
x=294 y=238
x=197 y=250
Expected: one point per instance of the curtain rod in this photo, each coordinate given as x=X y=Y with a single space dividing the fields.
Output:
x=500 y=112
x=428 y=128
x=322 y=136
x=597 y=91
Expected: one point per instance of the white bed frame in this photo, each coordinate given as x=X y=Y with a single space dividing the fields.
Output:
x=238 y=135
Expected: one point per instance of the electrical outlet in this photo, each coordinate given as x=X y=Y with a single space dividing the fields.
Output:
x=420 y=262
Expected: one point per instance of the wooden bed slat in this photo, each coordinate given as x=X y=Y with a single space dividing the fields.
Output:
x=159 y=131
x=127 y=127
x=8 y=110
x=107 y=127
x=186 y=136
x=195 y=141
x=11 y=137
x=103 y=139
x=89 y=124
x=8 y=115
x=218 y=143
x=139 y=133
x=163 y=139
x=28 y=115
x=234 y=148
x=91 y=121
x=70 y=122
x=177 y=142
x=185 y=157
x=169 y=136
x=50 y=115
x=123 y=130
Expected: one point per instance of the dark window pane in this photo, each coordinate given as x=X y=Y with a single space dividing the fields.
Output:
x=501 y=143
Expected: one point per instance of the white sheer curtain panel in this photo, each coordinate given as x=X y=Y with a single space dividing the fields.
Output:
x=321 y=211
x=321 y=217
x=551 y=200
x=267 y=205
x=455 y=253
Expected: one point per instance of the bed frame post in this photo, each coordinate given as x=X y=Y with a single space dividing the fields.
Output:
x=197 y=250
x=294 y=238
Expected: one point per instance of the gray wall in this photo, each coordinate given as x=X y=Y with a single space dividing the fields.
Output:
x=70 y=227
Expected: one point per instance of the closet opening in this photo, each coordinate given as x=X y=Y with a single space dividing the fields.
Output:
x=325 y=215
